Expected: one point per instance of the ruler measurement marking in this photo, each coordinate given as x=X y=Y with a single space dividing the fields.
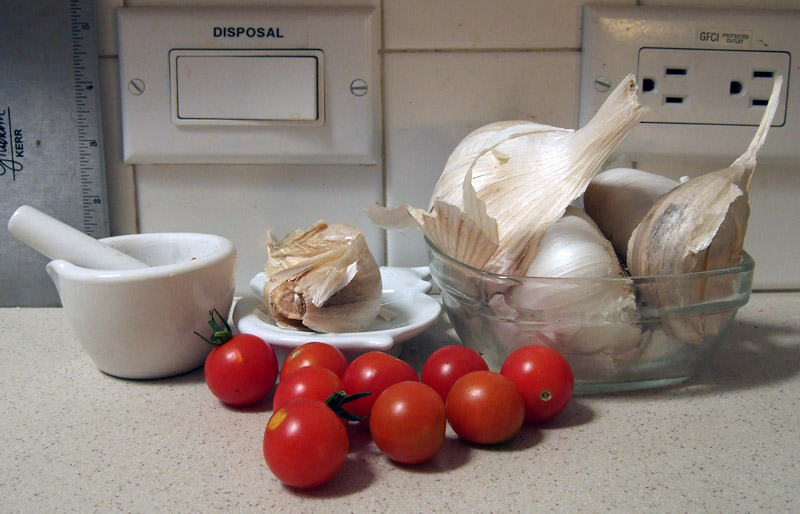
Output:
x=86 y=143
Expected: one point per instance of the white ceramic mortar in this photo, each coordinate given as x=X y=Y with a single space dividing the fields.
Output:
x=140 y=323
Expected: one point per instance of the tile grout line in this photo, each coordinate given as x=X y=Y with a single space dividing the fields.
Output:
x=479 y=50
x=382 y=97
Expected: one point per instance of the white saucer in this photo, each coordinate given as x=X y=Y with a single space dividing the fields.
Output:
x=404 y=295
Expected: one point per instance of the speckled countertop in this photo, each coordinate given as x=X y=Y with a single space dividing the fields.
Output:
x=77 y=440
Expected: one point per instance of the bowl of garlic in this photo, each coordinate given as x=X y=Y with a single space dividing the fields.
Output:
x=618 y=333
x=634 y=277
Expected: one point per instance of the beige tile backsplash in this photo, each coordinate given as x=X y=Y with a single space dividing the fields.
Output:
x=449 y=66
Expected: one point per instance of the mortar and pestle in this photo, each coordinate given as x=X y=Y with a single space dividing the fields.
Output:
x=135 y=301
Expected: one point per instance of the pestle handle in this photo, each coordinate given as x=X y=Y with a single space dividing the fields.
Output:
x=57 y=240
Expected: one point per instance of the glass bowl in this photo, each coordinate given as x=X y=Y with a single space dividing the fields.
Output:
x=617 y=333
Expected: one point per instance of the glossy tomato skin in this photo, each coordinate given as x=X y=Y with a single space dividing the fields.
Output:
x=544 y=377
x=408 y=422
x=485 y=407
x=305 y=443
x=315 y=354
x=242 y=370
x=373 y=372
x=448 y=364
x=313 y=382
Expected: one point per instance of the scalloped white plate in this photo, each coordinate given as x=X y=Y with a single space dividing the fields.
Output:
x=404 y=295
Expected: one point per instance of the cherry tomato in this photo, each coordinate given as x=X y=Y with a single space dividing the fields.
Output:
x=242 y=370
x=485 y=407
x=305 y=443
x=448 y=364
x=544 y=377
x=315 y=354
x=408 y=422
x=373 y=372
x=313 y=382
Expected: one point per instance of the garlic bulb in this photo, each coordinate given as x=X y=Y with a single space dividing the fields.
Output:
x=579 y=311
x=700 y=225
x=619 y=198
x=505 y=183
x=324 y=279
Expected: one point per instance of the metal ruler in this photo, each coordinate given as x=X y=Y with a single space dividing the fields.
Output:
x=51 y=150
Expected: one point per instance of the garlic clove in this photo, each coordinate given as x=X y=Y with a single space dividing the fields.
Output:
x=677 y=234
x=324 y=279
x=700 y=225
x=619 y=198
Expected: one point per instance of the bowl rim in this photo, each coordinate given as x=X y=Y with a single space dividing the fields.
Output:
x=745 y=265
x=224 y=250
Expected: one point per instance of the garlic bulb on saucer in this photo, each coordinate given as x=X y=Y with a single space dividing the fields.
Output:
x=324 y=279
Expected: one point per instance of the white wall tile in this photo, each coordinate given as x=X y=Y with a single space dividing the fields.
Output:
x=433 y=100
x=243 y=202
x=415 y=24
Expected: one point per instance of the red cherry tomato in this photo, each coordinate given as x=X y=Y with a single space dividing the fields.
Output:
x=315 y=354
x=448 y=364
x=373 y=372
x=305 y=443
x=408 y=422
x=312 y=382
x=485 y=407
x=242 y=370
x=544 y=377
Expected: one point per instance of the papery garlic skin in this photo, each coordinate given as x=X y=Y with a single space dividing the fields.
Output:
x=618 y=199
x=324 y=279
x=505 y=183
x=527 y=174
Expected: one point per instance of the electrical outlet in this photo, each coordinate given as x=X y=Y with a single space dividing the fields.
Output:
x=705 y=76
x=710 y=87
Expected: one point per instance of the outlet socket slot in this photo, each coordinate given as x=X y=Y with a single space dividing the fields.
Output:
x=758 y=74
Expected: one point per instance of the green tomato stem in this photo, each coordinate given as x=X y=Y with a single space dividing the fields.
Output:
x=221 y=333
x=337 y=400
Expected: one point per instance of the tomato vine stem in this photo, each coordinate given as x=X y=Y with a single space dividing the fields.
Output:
x=337 y=400
x=221 y=333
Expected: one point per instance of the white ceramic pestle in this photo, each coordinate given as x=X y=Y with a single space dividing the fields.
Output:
x=57 y=240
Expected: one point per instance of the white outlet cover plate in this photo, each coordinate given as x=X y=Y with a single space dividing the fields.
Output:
x=335 y=120
x=614 y=36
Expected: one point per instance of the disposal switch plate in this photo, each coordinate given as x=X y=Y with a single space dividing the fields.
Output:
x=230 y=87
x=704 y=74
x=250 y=85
